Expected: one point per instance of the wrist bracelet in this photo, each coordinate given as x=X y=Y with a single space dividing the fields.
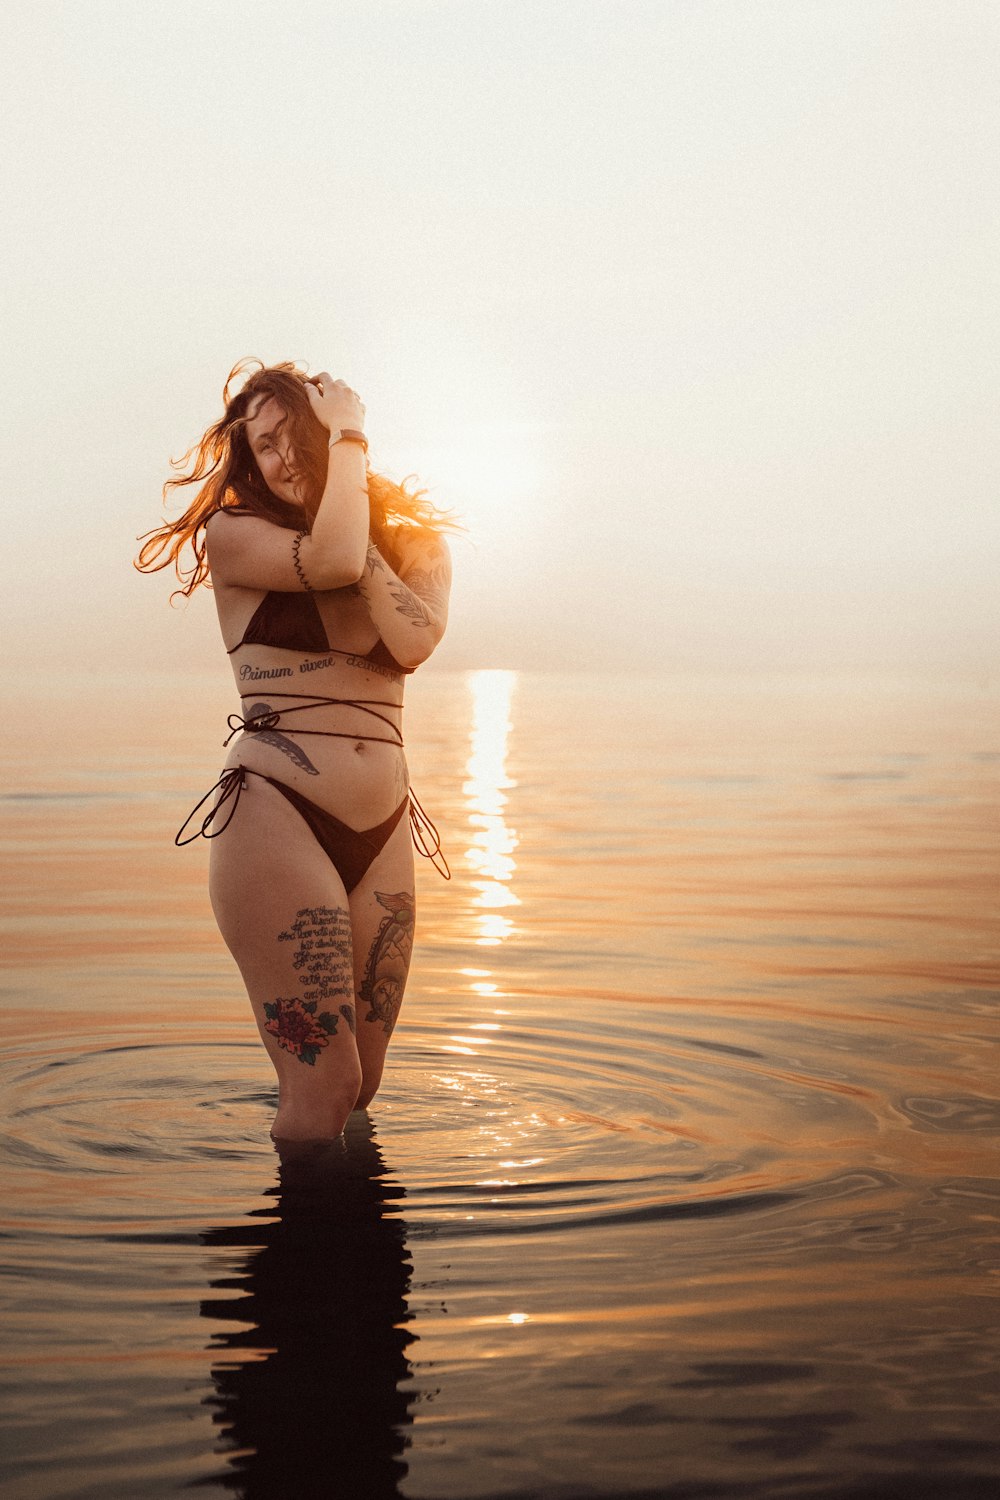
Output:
x=297 y=561
x=348 y=435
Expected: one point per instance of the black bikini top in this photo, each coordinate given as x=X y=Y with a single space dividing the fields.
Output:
x=293 y=622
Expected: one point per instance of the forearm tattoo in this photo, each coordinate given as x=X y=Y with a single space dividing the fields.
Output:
x=419 y=598
x=431 y=584
x=408 y=605
x=374 y=563
x=323 y=959
x=388 y=961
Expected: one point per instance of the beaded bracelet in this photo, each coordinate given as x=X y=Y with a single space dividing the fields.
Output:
x=298 y=562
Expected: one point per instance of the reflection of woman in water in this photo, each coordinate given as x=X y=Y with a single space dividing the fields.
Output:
x=310 y=1347
x=331 y=585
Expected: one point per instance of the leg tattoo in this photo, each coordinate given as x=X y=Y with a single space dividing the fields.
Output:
x=297 y=1028
x=323 y=934
x=388 y=961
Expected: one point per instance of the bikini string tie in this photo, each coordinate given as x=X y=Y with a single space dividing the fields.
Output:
x=426 y=839
x=229 y=784
x=257 y=723
x=250 y=725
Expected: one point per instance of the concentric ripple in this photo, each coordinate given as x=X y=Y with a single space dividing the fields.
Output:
x=519 y=1123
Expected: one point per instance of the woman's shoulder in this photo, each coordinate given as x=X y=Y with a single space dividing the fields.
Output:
x=222 y=514
x=230 y=526
x=239 y=526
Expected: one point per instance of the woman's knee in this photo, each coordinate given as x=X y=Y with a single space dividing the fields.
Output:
x=347 y=1084
x=311 y=1112
x=369 y=1087
x=328 y=1085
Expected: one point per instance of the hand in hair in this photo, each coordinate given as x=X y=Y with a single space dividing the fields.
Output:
x=334 y=404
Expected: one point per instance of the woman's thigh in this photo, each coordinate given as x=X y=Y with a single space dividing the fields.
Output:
x=284 y=914
x=382 y=922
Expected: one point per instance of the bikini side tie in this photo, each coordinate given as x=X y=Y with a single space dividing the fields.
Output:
x=232 y=783
x=426 y=839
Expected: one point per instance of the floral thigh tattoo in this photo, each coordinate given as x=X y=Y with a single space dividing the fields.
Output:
x=323 y=955
x=388 y=961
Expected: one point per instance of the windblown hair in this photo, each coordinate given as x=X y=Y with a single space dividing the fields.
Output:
x=223 y=467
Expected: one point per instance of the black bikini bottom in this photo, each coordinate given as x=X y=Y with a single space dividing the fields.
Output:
x=350 y=850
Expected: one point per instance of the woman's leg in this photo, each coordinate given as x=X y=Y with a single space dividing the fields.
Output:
x=382 y=918
x=284 y=914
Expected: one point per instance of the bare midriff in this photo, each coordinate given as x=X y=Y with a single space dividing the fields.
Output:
x=324 y=724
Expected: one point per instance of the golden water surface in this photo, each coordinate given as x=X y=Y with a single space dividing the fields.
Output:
x=683 y=1178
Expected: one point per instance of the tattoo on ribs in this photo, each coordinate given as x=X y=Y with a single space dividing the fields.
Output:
x=372 y=666
x=388 y=961
x=281 y=742
x=323 y=956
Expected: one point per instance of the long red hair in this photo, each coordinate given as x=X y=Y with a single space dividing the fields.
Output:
x=223 y=467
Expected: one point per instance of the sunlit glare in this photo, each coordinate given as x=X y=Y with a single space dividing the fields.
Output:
x=490 y=854
x=492 y=470
x=493 y=928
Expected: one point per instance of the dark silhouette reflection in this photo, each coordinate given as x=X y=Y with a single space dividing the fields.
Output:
x=324 y=1289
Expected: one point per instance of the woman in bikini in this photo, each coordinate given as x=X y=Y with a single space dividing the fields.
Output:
x=331 y=585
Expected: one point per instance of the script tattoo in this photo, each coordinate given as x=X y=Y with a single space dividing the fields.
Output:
x=281 y=742
x=372 y=666
x=388 y=961
x=323 y=957
x=254 y=674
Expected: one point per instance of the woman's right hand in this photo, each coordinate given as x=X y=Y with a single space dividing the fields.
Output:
x=334 y=403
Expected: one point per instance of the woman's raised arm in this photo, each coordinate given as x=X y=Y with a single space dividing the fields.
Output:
x=339 y=538
x=249 y=552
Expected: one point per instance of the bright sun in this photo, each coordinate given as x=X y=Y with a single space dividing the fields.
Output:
x=491 y=477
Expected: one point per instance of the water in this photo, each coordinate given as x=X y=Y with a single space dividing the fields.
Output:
x=684 y=1177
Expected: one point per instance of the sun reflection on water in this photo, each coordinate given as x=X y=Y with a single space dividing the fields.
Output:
x=493 y=1139
x=493 y=842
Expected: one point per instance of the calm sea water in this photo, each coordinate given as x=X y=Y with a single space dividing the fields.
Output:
x=684 y=1177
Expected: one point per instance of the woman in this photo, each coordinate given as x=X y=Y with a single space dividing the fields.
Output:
x=331 y=585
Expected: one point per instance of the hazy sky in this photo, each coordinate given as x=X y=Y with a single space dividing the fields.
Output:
x=690 y=307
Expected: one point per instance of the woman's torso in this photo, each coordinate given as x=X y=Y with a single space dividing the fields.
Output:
x=288 y=650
